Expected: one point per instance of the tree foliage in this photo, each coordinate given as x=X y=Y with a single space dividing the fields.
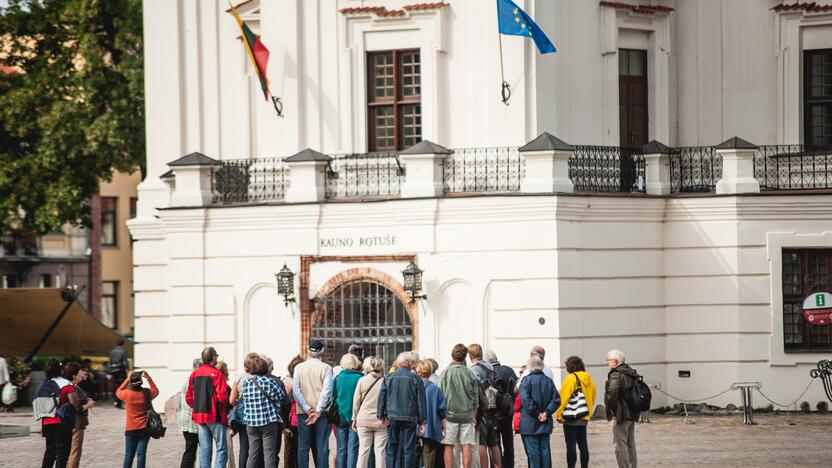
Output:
x=71 y=107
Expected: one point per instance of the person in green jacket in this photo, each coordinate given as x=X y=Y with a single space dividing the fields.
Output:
x=619 y=381
x=461 y=396
x=343 y=390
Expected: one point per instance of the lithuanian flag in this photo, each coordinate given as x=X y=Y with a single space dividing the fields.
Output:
x=259 y=55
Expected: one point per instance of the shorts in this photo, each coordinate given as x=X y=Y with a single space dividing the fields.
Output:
x=459 y=433
x=487 y=431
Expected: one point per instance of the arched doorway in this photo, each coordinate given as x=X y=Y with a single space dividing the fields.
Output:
x=363 y=312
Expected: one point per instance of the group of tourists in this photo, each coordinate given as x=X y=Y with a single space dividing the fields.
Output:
x=409 y=416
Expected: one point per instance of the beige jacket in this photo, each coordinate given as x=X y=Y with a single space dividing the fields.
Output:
x=366 y=415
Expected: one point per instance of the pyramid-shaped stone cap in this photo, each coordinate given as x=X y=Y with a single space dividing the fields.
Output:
x=168 y=175
x=736 y=143
x=426 y=147
x=194 y=159
x=547 y=142
x=308 y=155
x=655 y=147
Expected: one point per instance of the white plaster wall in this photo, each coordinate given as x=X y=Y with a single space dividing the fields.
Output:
x=678 y=284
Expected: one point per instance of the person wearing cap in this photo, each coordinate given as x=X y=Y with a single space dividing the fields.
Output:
x=208 y=395
x=311 y=389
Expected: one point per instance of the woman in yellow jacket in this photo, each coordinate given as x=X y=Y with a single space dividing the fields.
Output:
x=577 y=416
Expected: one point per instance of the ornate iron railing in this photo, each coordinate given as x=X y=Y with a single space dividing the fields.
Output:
x=607 y=169
x=364 y=175
x=249 y=180
x=694 y=169
x=793 y=167
x=483 y=170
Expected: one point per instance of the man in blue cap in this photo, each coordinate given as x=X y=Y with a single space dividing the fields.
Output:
x=311 y=389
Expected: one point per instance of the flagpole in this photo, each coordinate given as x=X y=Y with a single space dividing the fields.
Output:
x=505 y=90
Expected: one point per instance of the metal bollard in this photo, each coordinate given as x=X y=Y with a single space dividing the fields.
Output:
x=745 y=389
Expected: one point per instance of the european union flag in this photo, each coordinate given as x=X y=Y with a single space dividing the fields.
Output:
x=515 y=22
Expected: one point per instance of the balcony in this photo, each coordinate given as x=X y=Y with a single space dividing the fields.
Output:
x=543 y=166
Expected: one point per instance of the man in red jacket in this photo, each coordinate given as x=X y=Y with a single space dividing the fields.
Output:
x=207 y=394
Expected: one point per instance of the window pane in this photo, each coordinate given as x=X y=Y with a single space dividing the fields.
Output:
x=821 y=124
x=108 y=221
x=411 y=71
x=383 y=76
x=411 y=125
x=623 y=54
x=109 y=303
x=383 y=122
x=638 y=63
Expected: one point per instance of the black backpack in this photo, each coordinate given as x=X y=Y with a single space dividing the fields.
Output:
x=638 y=396
x=493 y=393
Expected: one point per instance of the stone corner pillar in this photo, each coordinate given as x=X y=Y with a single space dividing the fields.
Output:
x=193 y=180
x=737 y=167
x=547 y=165
x=307 y=176
x=656 y=168
x=423 y=170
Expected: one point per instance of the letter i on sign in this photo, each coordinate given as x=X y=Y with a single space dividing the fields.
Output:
x=820 y=300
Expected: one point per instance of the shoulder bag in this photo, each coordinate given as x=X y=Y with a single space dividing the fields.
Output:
x=361 y=401
x=155 y=428
x=576 y=408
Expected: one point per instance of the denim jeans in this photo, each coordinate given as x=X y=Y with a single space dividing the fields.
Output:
x=346 y=442
x=320 y=433
x=537 y=450
x=401 y=444
x=210 y=434
x=135 y=445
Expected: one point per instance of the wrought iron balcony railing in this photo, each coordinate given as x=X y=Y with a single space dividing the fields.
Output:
x=694 y=169
x=249 y=180
x=364 y=175
x=793 y=167
x=483 y=170
x=607 y=169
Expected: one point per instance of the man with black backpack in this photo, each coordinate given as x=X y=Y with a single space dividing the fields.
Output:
x=620 y=384
x=505 y=406
x=489 y=383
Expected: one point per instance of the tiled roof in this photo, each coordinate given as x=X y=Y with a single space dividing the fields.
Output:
x=382 y=11
x=811 y=7
x=644 y=9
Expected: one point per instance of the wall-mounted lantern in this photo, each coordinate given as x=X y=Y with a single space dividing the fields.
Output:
x=413 y=282
x=286 y=284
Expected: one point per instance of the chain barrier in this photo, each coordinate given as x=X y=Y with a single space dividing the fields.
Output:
x=746 y=389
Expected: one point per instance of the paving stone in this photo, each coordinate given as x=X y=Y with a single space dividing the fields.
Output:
x=777 y=440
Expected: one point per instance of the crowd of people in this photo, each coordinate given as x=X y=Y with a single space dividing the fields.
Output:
x=410 y=415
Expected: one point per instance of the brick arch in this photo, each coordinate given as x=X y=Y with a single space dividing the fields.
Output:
x=353 y=275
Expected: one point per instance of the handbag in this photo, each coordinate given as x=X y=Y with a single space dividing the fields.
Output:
x=155 y=428
x=576 y=408
x=331 y=407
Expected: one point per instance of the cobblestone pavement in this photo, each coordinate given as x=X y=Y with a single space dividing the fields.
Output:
x=777 y=441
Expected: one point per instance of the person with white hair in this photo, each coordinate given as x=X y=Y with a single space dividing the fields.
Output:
x=620 y=380
x=187 y=427
x=403 y=407
x=540 y=352
x=505 y=413
x=311 y=389
x=538 y=402
x=372 y=434
x=343 y=391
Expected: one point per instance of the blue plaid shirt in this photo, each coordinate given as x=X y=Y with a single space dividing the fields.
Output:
x=259 y=411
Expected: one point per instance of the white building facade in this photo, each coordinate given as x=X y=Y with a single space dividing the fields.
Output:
x=692 y=258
